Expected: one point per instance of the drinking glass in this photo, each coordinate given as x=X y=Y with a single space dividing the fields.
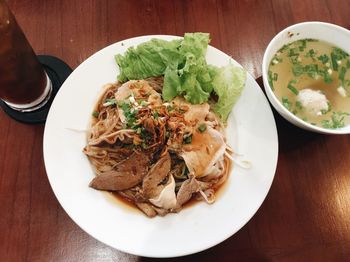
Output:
x=24 y=84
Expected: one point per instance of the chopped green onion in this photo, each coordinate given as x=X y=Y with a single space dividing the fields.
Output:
x=144 y=103
x=336 y=121
x=348 y=64
x=297 y=69
x=293 y=52
x=323 y=58
x=286 y=103
x=311 y=70
x=326 y=76
x=340 y=53
x=298 y=105
x=270 y=79
x=188 y=139
x=334 y=61
x=292 y=88
x=95 y=114
x=110 y=102
x=311 y=53
x=155 y=115
x=202 y=127
x=342 y=73
x=276 y=60
x=170 y=108
x=130 y=114
x=284 y=48
x=303 y=45
x=294 y=60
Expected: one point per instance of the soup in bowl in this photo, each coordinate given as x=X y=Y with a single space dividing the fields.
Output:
x=306 y=74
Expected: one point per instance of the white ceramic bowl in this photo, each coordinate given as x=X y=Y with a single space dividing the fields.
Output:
x=333 y=34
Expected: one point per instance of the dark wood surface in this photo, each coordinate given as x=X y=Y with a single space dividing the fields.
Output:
x=306 y=215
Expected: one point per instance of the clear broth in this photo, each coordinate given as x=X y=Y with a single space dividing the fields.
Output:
x=306 y=52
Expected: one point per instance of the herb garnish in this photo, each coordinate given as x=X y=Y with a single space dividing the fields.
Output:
x=188 y=139
x=270 y=79
x=337 y=55
x=348 y=64
x=323 y=58
x=336 y=121
x=155 y=115
x=202 y=127
x=326 y=76
x=298 y=105
x=302 y=45
x=297 y=69
x=311 y=53
x=311 y=70
x=95 y=114
x=293 y=52
x=276 y=60
x=342 y=73
x=286 y=103
x=110 y=102
x=291 y=87
x=130 y=114
x=334 y=61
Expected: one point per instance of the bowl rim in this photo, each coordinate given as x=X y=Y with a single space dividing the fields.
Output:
x=272 y=96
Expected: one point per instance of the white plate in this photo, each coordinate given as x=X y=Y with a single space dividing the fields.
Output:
x=251 y=131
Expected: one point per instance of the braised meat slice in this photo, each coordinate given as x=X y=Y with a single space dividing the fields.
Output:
x=128 y=173
x=151 y=183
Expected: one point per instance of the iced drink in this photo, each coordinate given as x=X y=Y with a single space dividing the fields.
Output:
x=23 y=82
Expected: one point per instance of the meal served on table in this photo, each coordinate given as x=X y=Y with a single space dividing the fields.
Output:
x=157 y=135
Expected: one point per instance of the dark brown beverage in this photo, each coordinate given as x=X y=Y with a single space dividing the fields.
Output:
x=22 y=78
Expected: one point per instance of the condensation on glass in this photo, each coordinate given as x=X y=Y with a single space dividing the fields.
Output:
x=24 y=85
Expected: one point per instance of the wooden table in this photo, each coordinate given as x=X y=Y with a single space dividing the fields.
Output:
x=306 y=215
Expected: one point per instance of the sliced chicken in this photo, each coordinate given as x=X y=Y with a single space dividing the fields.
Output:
x=138 y=88
x=204 y=151
x=195 y=113
x=167 y=197
x=128 y=173
x=123 y=92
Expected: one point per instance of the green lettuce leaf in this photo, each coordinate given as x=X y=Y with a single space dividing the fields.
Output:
x=195 y=44
x=148 y=59
x=185 y=70
x=228 y=84
x=171 y=84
